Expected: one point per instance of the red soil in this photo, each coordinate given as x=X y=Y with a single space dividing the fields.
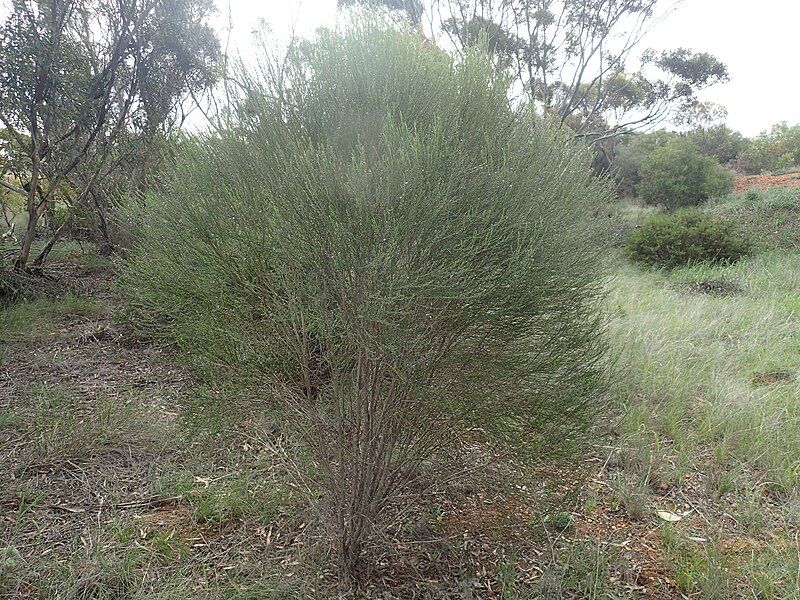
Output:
x=766 y=181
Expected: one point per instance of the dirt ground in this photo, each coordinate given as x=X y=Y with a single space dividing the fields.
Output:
x=765 y=182
x=106 y=493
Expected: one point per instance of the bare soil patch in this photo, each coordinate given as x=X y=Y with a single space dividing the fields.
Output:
x=765 y=181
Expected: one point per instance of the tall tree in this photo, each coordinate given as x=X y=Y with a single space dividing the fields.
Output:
x=79 y=77
x=577 y=60
x=413 y=9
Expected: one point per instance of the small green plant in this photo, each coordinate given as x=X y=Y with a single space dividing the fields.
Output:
x=720 y=482
x=10 y=558
x=582 y=572
x=168 y=546
x=239 y=498
x=9 y=419
x=676 y=175
x=508 y=576
x=686 y=237
x=701 y=570
x=631 y=494
x=750 y=511
x=560 y=521
x=752 y=195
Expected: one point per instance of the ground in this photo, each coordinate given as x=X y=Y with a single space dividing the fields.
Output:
x=766 y=181
x=122 y=476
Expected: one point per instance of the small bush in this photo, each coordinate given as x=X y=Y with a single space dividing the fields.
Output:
x=689 y=236
x=677 y=175
x=629 y=155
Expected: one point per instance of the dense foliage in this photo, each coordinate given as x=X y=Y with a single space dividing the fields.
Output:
x=626 y=156
x=394 y=253
x=719 y=141
x=774 y=150
x=686 y=237
x=88 y=90
x=677 y=175
x=552 y=47
x=771 y=217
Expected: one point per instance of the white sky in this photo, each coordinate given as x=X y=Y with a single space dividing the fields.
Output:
x=758 y=40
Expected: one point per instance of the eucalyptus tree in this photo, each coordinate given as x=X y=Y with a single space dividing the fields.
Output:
x=580 y=62
x=80 y=79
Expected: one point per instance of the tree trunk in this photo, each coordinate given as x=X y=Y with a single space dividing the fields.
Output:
x=40 y=260
x=27 y=241
x=34 y=210
x=105 y=246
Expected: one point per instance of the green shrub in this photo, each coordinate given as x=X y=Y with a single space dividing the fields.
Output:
x=770 y=217
x=773 y=150
x=394 y=254
x=630 y=154
x=719 y=141
x=685 y=237
x=677 y=175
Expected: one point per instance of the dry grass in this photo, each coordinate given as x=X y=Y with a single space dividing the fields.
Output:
x=711 y=427
x=123 y=479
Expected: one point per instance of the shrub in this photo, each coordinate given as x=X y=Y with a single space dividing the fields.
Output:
x=770 y=217
x=776 y=149
x=395 y=255
x=628 y=157
x=687 y=236
x=677 y=175
x=719 y=141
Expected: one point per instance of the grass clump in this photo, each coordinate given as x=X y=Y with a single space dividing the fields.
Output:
x=393 y=253
x=770 y=217
x=691 y=362
x=698 y=569
x=582 y=572
x=686 y=237
x=36 y=320
x=240 y=498
x=64 y=427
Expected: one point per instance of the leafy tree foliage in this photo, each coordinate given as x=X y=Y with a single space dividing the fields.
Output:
x=395 y=255
x=82 y=77
x=719 y=141
x=677 y=175
x=627 y=155
x=413 y=9
x=778 y=148
x=574 y=60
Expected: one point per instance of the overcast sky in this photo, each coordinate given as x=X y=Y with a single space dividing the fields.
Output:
x=759 y=44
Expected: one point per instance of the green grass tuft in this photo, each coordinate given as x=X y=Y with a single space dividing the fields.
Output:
x=39 y=319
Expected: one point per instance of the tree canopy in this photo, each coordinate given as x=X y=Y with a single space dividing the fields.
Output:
x=577 y=61
x=82 y=78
